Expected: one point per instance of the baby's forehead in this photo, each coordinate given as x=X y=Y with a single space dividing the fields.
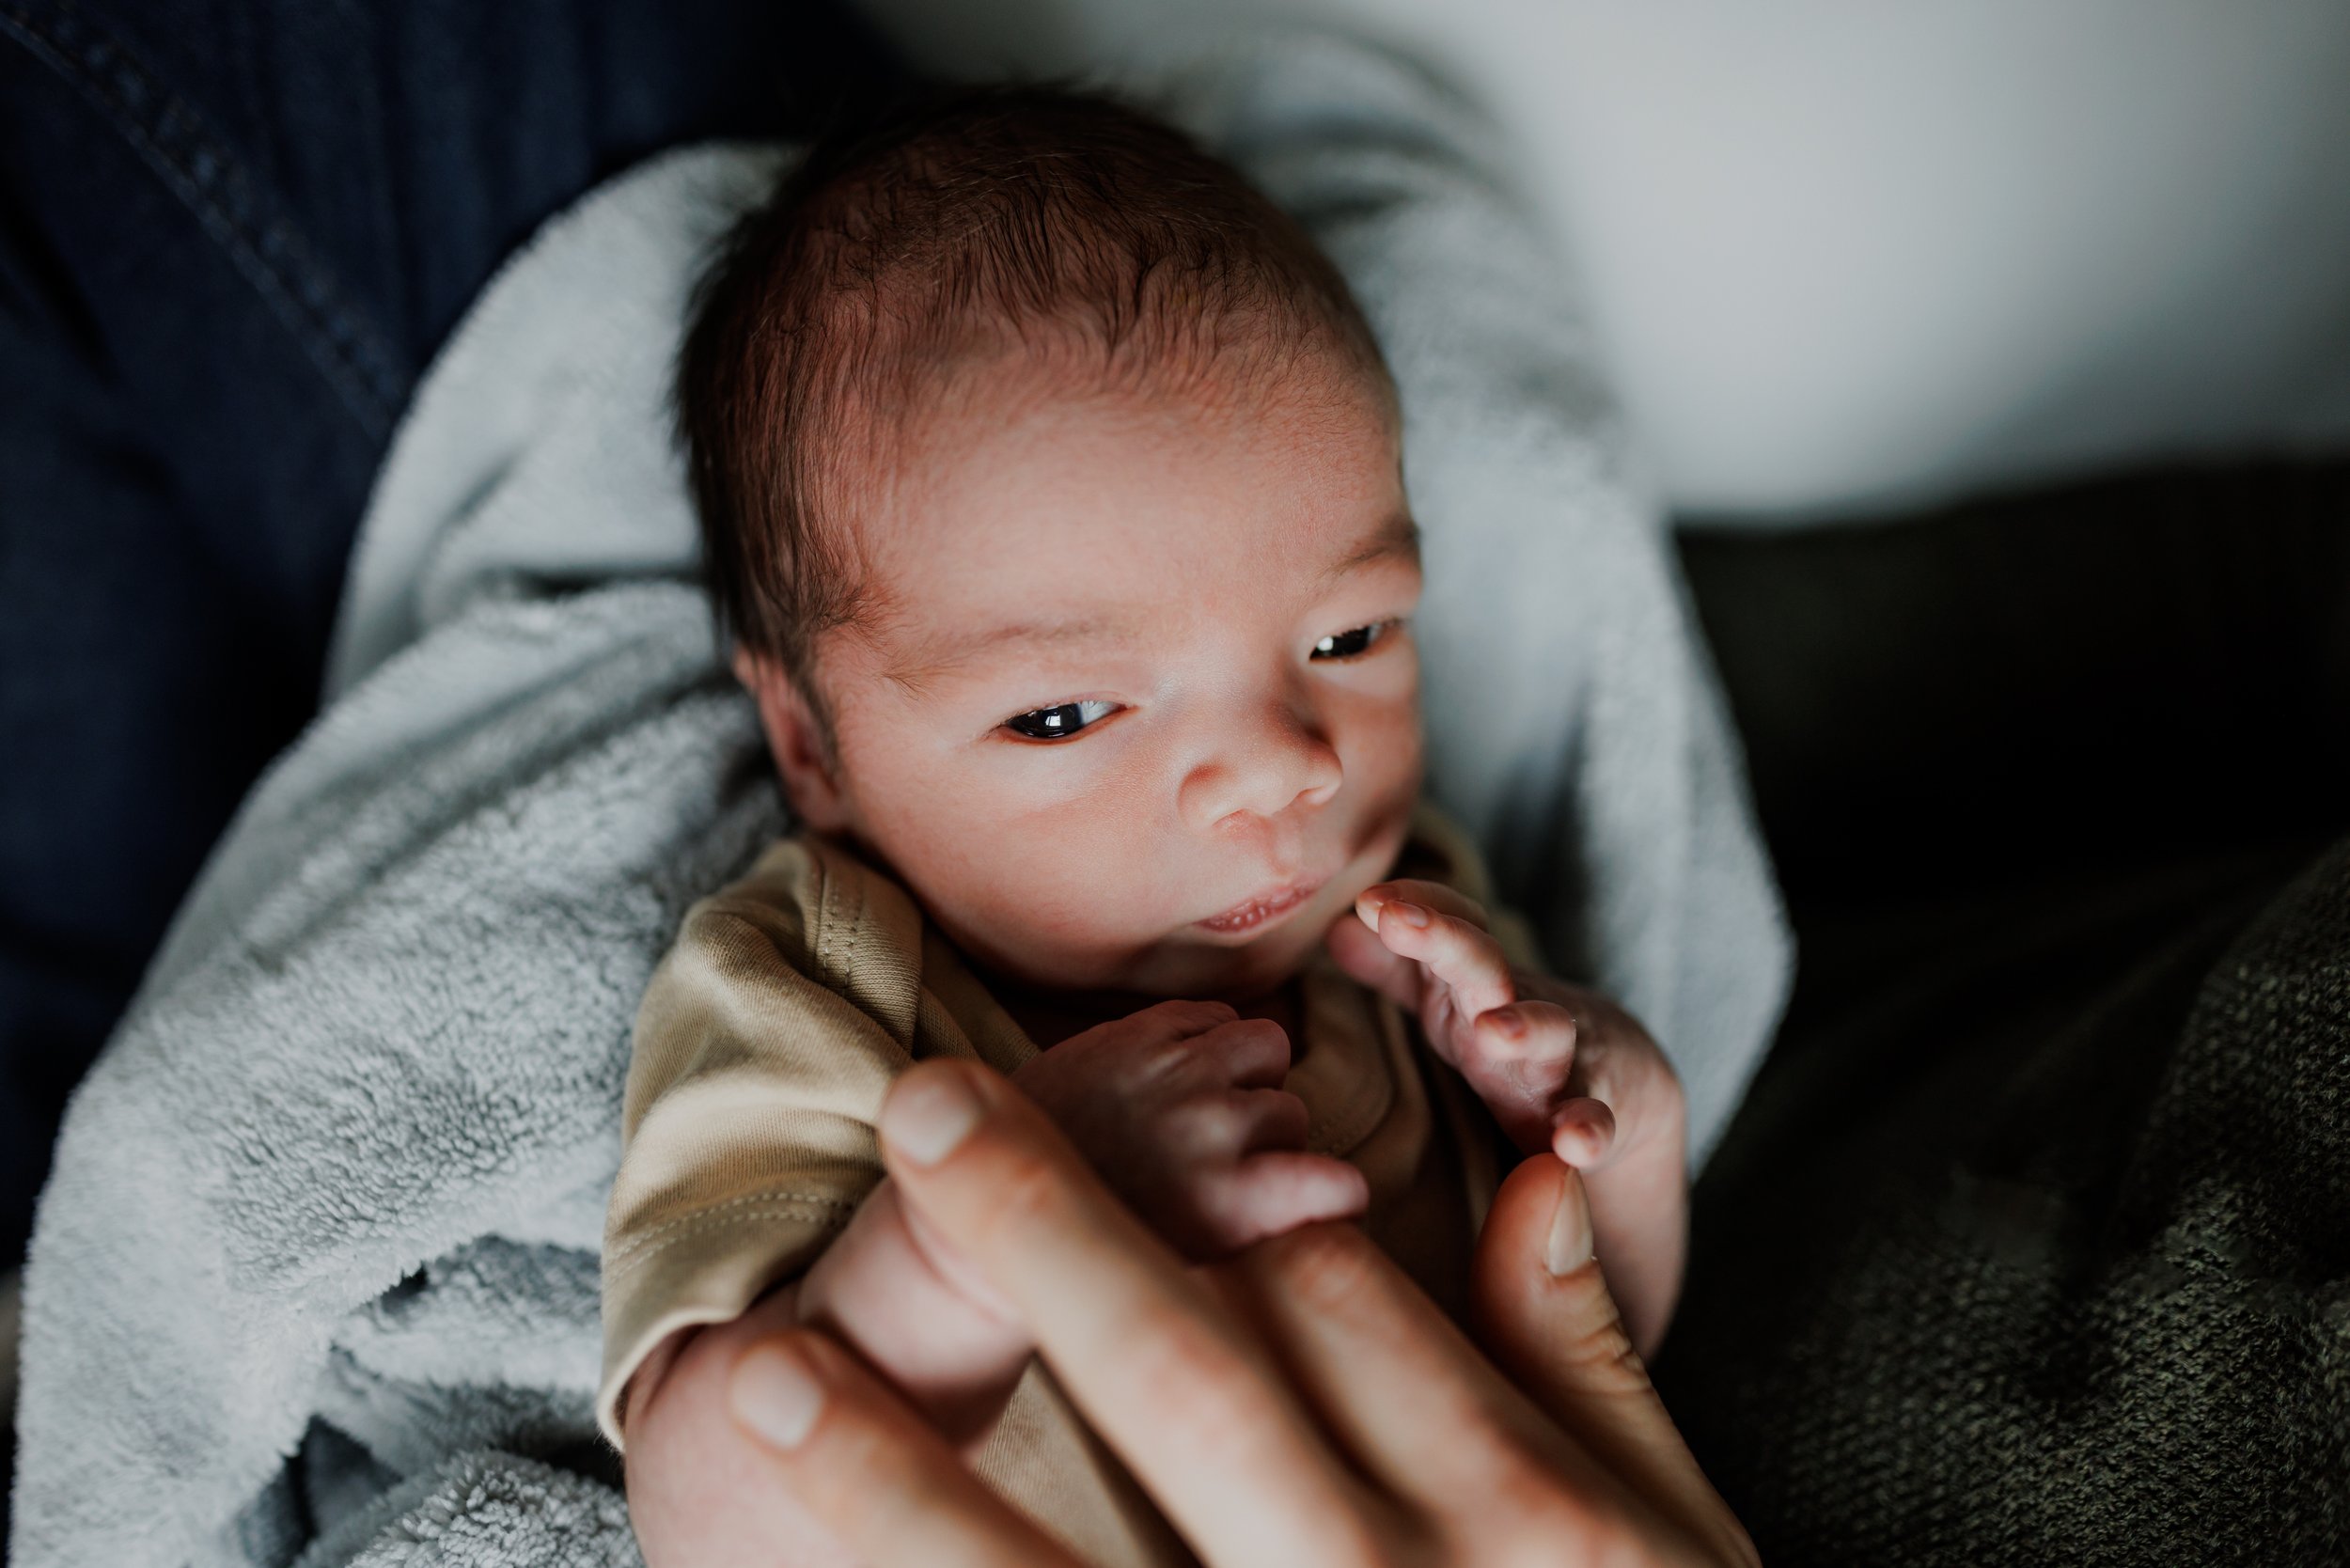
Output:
x=1031 y=466
x=1079 y=547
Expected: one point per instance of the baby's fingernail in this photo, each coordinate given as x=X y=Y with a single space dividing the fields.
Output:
x=1568 y=1246
x=773 y=1395
x=1410 y=914
x=1368 y=904
x=1504 y=1023
x=926 y=1117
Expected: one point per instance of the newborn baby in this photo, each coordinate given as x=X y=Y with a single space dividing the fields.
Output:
x=1052 y=495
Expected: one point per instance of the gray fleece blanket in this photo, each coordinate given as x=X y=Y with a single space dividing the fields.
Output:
x=315 y=1279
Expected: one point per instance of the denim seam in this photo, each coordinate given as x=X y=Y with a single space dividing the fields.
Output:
x=172 y=139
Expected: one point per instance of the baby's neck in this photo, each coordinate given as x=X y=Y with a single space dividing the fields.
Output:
x=1049 y=1017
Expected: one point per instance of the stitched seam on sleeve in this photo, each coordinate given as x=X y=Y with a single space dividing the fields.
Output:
x=821 y=945
x=771 y=1199
x=830 y=1216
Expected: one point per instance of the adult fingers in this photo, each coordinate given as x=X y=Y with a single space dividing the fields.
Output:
x=1186 y=1396
x=1423 y=1413
x=869 y=1469
x=1543 y=1312
x=1458 y=952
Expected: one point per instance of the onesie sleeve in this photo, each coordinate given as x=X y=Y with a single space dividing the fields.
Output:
x=762 y=1051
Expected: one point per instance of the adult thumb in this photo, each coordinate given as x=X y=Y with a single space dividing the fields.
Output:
x=1541 y=1309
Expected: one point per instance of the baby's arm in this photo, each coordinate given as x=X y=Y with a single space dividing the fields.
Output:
x=1560 y=1067
x=1179 y=1106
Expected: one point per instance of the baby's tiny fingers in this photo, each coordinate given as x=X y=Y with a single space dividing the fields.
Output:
x=1583 y=1132
x=1363 y=956
x=1463 y=956
x=1535 y=1032
x=1181 y=1019
x=1248 y=1052
x=1223 y=1125
x=1272 y=1118
x=1428 y=895
x=1267 y=1194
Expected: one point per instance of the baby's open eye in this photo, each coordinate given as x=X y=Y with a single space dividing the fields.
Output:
x=1345 y=645
x=1060 y=721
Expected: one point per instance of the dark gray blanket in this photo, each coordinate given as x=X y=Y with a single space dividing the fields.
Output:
x=2031 y=1243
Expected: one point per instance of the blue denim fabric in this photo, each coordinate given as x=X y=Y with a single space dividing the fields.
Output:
x=232 y=234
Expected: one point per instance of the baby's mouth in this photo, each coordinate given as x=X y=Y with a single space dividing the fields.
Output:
x=1262 y=910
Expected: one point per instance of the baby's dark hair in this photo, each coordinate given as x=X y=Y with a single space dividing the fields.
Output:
x=1040 y=221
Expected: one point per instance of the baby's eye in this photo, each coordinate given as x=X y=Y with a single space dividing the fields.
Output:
x=1346 y=645
x=1060 y=721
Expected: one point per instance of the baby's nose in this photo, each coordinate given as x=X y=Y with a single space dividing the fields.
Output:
x=1263 y=770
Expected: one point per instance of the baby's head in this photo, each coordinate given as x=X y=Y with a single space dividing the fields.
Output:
x=1051 y=489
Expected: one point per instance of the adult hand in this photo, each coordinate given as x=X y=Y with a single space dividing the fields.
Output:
x=1303 y=1404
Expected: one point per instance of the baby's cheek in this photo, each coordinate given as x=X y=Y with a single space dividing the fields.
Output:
x=1057 y=908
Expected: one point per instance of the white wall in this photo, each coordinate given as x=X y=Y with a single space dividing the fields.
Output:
x=1848 y=253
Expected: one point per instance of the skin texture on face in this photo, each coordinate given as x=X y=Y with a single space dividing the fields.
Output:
x=1207 y=593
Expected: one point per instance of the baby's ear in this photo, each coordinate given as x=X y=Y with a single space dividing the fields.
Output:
x=797 y=740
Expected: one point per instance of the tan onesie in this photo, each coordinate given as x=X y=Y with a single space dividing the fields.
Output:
x=775 y=1024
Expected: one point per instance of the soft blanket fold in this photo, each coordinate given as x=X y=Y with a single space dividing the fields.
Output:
x=315 y=1277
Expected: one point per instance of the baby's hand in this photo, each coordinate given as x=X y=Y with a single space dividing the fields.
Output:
x=1180 y=1109
x=1559 y=1067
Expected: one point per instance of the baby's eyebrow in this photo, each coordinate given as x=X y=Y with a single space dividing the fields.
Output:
x=1399 y=536
x=948 y=651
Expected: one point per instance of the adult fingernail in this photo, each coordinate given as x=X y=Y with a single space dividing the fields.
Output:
x=925 y=1118
x=1410 y=914
x=1568 y=1246
x=773 y=1395
x=1368 y=904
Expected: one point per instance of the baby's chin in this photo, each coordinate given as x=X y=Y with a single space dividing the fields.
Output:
x=1232 y=973
x=1198 y=965
x=1196 y=962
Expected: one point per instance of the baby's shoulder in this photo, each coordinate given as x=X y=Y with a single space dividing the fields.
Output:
x=808 y=903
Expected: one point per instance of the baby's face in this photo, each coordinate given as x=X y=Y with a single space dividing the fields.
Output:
x=1137 y=709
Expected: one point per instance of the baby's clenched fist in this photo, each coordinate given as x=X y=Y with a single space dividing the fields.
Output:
x=1180 y=1106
